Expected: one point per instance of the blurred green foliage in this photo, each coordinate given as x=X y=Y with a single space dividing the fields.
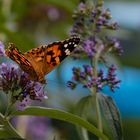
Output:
x=23 y=22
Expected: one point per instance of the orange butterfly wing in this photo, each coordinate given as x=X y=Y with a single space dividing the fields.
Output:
x=13 y=53
x=58 y=51
x=36 y=57
x=39 y=61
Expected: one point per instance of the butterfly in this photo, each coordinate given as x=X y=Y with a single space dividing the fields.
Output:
x=41 y=60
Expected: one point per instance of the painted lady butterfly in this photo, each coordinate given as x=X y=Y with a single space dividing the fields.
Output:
x=40 y=61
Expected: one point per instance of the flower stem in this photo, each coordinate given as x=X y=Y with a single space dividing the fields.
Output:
x=85 y=134
x=8 y=127
x=9 y=105
x=98 y=112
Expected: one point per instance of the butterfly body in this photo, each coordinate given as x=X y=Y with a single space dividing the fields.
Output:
x=40 y=61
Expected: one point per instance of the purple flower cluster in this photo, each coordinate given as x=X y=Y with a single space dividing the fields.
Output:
x=103 y=19
x=87 y=16
x=17 y=83
x=88 y=23
x=88 y=80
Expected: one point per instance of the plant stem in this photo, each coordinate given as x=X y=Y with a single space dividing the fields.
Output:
x=98 y=112
x=8 y=127
x=83 y=130
x=9 y=105
x=85 y=134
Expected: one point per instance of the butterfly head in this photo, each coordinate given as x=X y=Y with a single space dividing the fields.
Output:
x=9 y=50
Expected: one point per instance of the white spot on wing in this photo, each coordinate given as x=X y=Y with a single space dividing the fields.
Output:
x=67 y=51
x=66 y=45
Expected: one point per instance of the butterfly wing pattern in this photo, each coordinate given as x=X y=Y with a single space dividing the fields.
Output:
x=40 y=61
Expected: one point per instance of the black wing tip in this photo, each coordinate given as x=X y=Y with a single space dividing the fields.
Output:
x=75 y=39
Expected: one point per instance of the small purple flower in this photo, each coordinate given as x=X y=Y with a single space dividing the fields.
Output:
x=88 y=70
x=101 y=21
x=112 y=80
x=71 y=85
x=117 y=46
x=25 y=102
x=114 y=26
x=76 y=71
x=89 y=46
x=82 y=6
x=101 y=75
x=107 y=14
x=2 y=51
x=94 y=82
x=83 y=75
x=94 y=13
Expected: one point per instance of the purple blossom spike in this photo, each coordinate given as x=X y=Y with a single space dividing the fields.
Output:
x=90 y=23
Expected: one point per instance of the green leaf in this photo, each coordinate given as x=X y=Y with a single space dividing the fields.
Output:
x=81 y=106
x=61 y=115
x=7 y=131
x=112 y=116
